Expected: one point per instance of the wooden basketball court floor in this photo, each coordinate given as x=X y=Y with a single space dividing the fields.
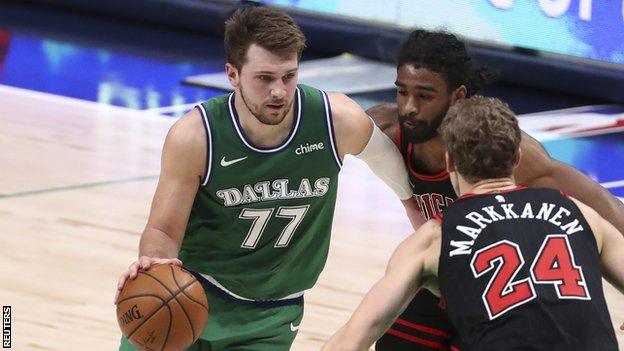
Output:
x=76 y=181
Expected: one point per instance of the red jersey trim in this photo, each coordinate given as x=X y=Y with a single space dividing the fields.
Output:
x=417 y=340
x=438 y=217
x=443 y=175
x=422 y=328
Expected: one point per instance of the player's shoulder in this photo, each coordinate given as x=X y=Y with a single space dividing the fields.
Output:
x=535 y=162
x=386 y=117
x=433 y=226
x=188 y=131
x=430 y=231
x=341 y=104
x=588 y=212
x=426 y=241
x=532 y=145
x=384 y=114
x=185 y=149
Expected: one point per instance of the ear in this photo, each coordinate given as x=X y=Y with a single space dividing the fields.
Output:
x=232 y=74
x=458 y=94
x=450 y=165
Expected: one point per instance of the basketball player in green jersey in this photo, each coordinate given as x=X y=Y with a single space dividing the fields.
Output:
x=248 y=185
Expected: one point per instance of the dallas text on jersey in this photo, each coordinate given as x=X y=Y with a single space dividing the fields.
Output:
x=273 y=190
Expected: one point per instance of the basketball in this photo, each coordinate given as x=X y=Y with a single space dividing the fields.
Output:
x=163 y=308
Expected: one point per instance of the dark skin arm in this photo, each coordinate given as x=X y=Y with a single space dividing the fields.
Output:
x=538 y=170
x=386 y=117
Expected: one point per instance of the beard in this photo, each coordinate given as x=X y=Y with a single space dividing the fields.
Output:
x=418 y=131
x=262 y=112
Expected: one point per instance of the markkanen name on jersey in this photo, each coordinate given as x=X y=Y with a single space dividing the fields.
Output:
x=489 y=214
x=275 y=190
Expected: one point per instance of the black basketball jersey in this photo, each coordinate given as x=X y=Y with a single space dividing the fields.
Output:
x=520 y=270
x=432 y=192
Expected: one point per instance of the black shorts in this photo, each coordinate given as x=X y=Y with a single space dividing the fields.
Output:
x=422 y=326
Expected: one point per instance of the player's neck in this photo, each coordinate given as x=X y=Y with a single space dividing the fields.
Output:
x=428 y=156
x=258 y=133
x=486 y=185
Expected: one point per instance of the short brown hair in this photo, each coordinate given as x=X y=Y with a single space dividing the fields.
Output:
x=272 y=29
x=483 y=138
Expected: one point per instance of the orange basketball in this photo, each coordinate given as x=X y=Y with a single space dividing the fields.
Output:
x=164 y=308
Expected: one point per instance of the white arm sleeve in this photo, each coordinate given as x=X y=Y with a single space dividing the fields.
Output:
x=384 y=159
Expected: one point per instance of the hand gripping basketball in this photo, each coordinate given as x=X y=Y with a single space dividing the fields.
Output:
x=144 y=262
x=164 y=308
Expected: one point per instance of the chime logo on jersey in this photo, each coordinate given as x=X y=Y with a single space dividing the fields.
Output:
x=273 y=190
x=304 y=149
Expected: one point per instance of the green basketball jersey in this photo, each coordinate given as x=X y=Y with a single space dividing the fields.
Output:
x=260 y=224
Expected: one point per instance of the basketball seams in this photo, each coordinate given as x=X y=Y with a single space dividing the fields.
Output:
x=192 y=299
x=166 y=300
x=163 y=303
x=147 y=318
x=169 y=327
x=180 y=289
x=173 y=295
x=141 y=295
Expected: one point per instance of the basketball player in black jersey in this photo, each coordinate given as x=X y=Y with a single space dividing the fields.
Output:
x=518 y=268
x=434 y=72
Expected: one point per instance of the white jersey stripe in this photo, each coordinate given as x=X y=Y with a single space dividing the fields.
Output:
x=330 y=129
x=214 y=282
x=209 y=148
x=278 y=148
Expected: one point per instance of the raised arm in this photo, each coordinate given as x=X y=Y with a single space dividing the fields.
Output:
x=538 y=169
x=414 y=262
x=182 y=166
x=357 y=135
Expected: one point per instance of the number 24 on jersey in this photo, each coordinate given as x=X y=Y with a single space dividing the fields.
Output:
x=554 y=264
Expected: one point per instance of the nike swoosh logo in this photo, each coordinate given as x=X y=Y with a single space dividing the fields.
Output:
x=225 y=163
x=293 y=327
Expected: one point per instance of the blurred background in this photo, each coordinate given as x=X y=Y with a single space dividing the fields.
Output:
x=89 y=88
x=550 y=54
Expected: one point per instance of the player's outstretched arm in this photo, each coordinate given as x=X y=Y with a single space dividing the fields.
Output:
x=610 y=242
x=182 y=166
x=538 y=169
x=612 y=254
x=357 y=135
x=610 y=245
x=413 y=263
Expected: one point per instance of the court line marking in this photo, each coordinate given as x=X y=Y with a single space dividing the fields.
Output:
x=172 y=108
x=614 y=184
x=606 y=185
x=155 y=113
x=576 y=109
x=21 y=92
x=544 y=136
x=76 y=187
